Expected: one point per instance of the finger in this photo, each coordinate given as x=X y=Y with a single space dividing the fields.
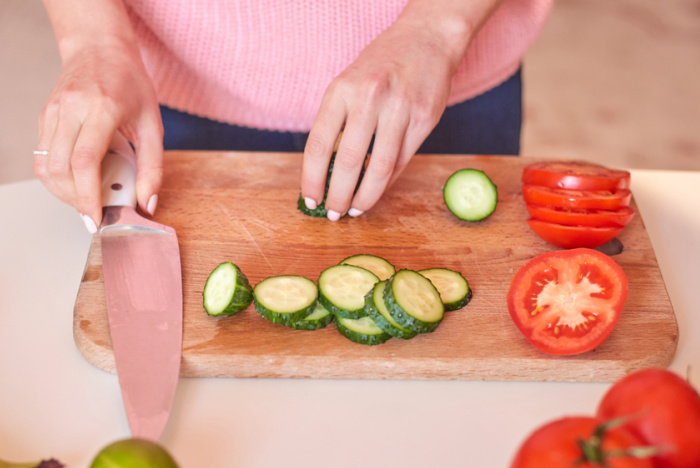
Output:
x=149 y=159
x=319 y=149
x=414 y=138
x=46 y=127
x=349 y=160
x=58 y=165
x=90 y=147
x=385 y=153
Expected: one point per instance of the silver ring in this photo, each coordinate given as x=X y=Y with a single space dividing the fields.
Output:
x=40 y=152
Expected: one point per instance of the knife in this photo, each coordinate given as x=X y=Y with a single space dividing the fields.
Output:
x=143 y=290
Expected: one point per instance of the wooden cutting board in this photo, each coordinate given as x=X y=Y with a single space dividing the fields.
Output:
x=241 y=207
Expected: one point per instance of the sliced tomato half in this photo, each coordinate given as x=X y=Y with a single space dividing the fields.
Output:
x=567 y=301
x=577 y=199
x=581 y=217
x=575 y=175
x=571 y=237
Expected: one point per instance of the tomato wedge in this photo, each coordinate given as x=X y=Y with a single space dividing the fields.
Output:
x=581 y=217
x=571 y=237
x=577 y=199
x=567 y=301
x=575 y=175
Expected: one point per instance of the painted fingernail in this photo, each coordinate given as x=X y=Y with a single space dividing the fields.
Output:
x=152 y=203
x=354 y=212
x=310 y=203
x=333 y=215
x=89 y=224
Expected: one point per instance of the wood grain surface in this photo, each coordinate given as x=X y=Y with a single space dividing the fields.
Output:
x=241 y=207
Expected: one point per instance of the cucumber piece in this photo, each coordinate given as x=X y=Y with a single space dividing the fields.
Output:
x=470 y=195
x=227 y=290
x=285 y=299
x=377 y=265
x=320 y=211
x=362 y=330
x=342 y=290
x=453 y=287
x=376 y=309
x=413 y=301
x=320 y=317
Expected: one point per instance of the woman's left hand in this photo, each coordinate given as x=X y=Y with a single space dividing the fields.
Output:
x=396 y=90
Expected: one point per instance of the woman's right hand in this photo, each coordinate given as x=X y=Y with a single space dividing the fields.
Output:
x=103 y=88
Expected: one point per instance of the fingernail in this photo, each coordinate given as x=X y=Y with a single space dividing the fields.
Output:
x=89 y=224
x=333 y=215
x=354 y=212
x=152 y=203
x=310 y=203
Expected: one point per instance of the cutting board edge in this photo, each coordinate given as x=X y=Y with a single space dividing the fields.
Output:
x=310 y=367
x=96 y=354
x=496 y=369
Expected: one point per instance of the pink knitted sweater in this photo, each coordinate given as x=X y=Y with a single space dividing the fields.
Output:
x=266 y=63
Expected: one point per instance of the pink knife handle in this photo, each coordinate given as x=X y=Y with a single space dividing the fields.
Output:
x=119 y=174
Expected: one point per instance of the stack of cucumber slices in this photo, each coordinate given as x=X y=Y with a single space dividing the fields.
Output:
x=367 y=299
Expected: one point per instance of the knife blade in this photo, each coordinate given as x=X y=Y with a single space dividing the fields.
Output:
x=143 y=291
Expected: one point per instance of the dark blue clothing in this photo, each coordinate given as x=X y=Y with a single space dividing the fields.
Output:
x=486 y=124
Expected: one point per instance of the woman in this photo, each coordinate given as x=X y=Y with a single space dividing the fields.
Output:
x=282 y=76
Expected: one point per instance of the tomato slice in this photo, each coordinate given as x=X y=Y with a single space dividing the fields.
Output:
x=567 y=301
x=575 y=175
x=571 y=237
x=577 y=199
x=581 y=217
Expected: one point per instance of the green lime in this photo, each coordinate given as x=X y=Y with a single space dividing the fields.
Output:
x=133 y=453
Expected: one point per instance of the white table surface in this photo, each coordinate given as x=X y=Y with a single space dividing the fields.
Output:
x=53 y=403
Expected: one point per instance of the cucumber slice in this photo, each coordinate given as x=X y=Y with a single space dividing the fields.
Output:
x=377 y=265
x=470 y=195
x=320 y=211
x=343 y=288
x=320 y=317
x=376 y=309
x=285 y=299
x=413 y=301
x=362 y=330
x=453 y=287
x=227 y=290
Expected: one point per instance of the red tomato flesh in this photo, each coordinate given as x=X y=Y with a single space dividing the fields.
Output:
x=556 y=445
x=581 y=217
x=575 y=175
x=571 y=237
x=577 y=199
x=664 y=411
x=567 y=301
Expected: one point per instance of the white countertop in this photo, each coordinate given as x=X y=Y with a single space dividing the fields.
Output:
x=53 y=403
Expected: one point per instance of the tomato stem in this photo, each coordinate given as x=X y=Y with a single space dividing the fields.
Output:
x=592 y=449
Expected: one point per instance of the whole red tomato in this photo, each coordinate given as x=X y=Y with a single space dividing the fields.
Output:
x=664 y=411
x=581 y=442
